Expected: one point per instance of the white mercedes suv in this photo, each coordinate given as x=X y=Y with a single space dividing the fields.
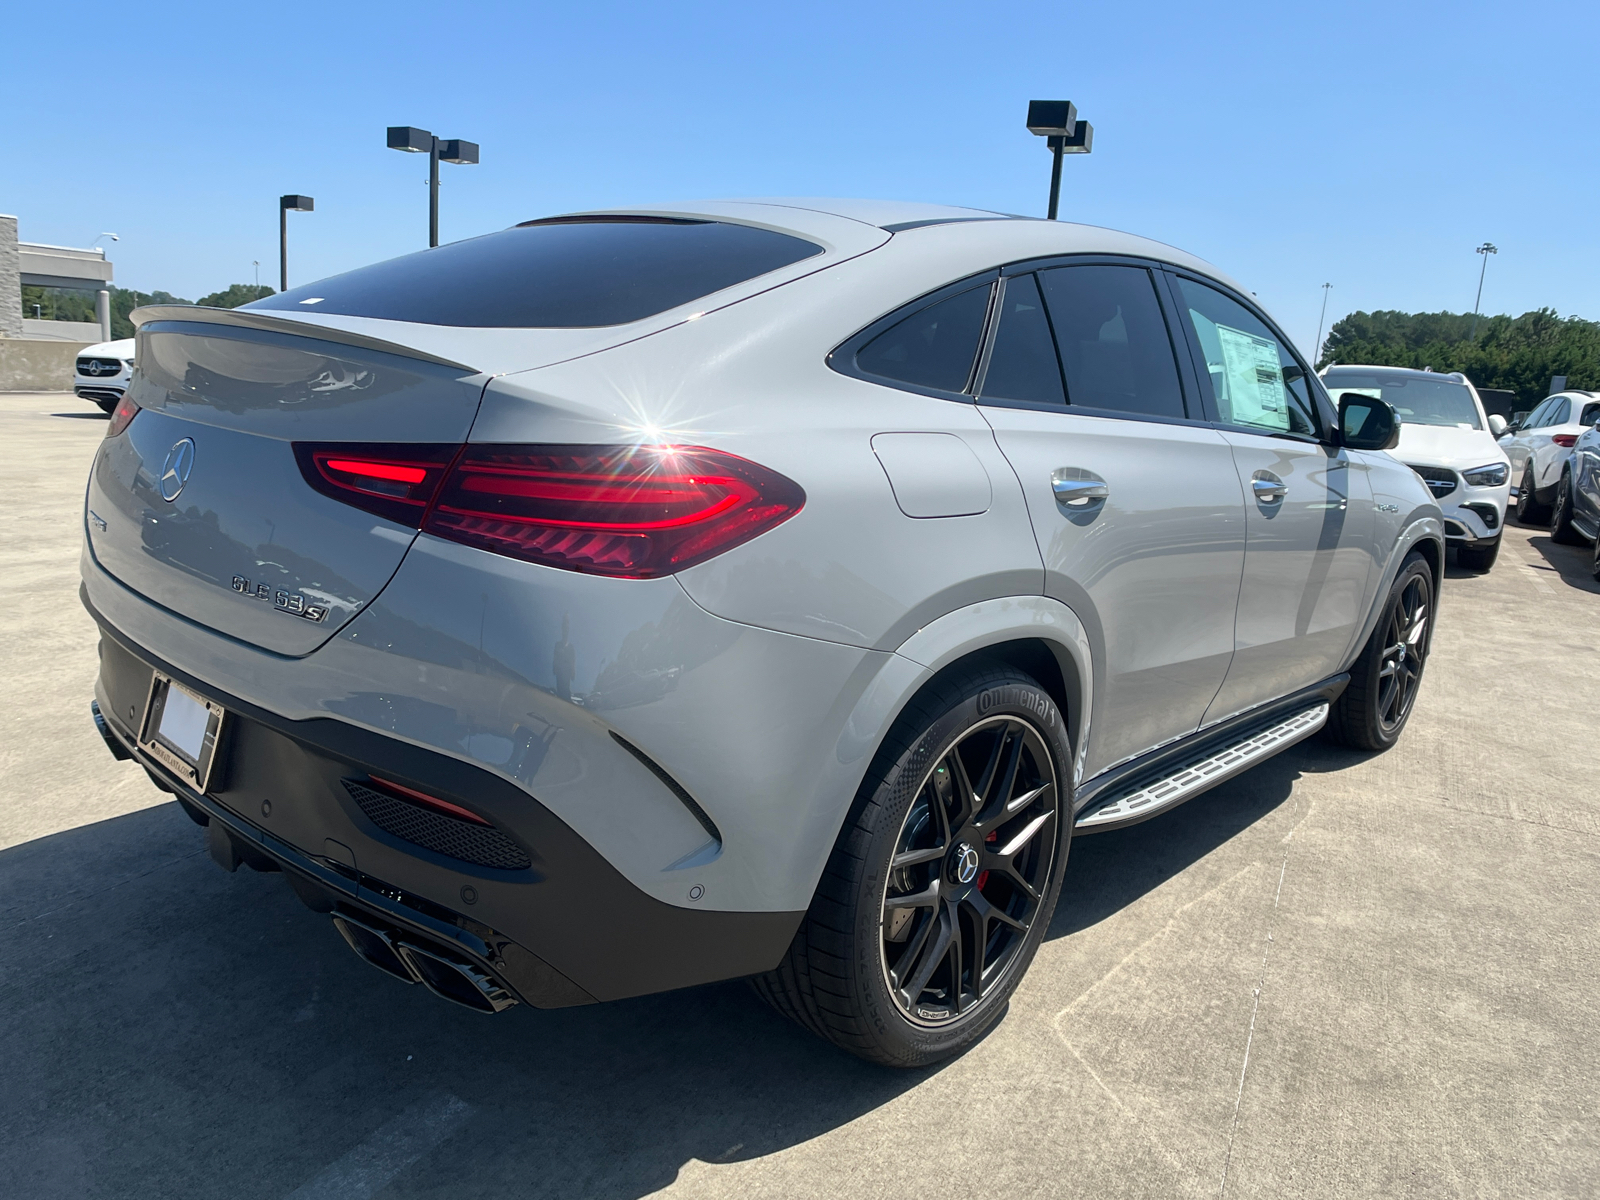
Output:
x=630 y=600
x=101 y=372
x=1445 y=438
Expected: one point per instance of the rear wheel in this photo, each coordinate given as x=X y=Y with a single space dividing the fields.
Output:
x=943 y=880
x=1478 y=558
x=1561 y=529
x=1529 y=510
x=1594 y=563
x=1373 y=710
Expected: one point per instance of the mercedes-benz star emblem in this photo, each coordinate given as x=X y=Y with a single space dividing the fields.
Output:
x=965 y=863
x=92 y=369
x=175 y=471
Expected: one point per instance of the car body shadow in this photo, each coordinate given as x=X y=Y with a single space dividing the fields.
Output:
x=170 y=1027
x=83 y=416
x=1573 y=563
x=1108 y=871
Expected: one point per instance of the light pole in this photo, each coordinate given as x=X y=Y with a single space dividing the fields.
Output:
x=256 y=263
x=1057 y=122
x=1316 y=351
x=287 y=205
x=420 y=141
x=1486 y=249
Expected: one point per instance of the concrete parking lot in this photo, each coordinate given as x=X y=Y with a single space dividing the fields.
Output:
x=1336 y=976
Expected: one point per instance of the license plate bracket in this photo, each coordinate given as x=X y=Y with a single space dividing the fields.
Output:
x=182 y=730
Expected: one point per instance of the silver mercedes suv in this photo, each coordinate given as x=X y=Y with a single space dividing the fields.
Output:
x=630 y=600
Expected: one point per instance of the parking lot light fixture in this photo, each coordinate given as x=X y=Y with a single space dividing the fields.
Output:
x=1057 y=122
x=454 y=150
x=287 y=205
x=1486 y=249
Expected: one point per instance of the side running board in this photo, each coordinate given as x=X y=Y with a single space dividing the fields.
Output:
x=1209 y=768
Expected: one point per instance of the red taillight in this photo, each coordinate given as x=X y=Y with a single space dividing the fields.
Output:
x=393 y=481
x=122 y=416
x=426 y=801
x=632 y=511
x=638 y=512
x=1567 y=440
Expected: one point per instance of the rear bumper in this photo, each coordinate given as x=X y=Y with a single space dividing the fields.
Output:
x=565 y=929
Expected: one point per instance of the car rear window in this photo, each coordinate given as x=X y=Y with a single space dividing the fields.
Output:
x=563 y=273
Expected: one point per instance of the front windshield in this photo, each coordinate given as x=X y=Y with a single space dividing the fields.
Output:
x=1416 y=401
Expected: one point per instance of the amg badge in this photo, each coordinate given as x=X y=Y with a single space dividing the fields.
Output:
x=292 y=603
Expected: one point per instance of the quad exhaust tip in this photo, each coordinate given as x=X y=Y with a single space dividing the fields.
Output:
x=453 y=980
x=114 y=744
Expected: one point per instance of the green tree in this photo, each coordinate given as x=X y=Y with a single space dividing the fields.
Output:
x=1520 y=354
x=235 y=294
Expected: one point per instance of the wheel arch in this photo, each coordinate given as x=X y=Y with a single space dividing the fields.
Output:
x=1038 y=635
x=1425 y=535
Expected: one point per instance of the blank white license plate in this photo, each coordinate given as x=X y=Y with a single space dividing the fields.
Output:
x=182 y=730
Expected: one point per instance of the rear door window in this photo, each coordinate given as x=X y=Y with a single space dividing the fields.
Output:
x=934 y=347
x=1256 y=383
x=1116 y=352
x=1022 y=363
x=564 y=273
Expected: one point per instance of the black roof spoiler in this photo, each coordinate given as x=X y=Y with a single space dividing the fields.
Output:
x=274 y=324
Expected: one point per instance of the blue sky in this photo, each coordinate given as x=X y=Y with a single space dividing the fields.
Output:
x=1369 y=145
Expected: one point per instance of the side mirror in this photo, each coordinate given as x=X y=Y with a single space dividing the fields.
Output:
x=1497 y=424
x=1367 y=423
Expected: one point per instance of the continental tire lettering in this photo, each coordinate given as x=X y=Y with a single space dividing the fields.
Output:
x=1027 y=699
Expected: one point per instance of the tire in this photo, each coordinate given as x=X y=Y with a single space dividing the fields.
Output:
x=1561 y=529
x=1529 y=510
x=1373 y=710
x=849 y=975
x=1478 y=558
x=1594 y=564
x=107 y=406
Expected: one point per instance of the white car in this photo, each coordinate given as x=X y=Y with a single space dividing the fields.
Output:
x=1539 y=446
x=102 y=372
x=1446 y=438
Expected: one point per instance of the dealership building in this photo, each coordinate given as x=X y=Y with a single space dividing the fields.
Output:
x=54 y=300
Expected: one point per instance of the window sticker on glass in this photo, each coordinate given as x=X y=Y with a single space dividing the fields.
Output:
x=1251 y=379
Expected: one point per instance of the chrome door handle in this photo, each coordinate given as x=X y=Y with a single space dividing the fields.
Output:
x=1268 y=488
x=1077 y=488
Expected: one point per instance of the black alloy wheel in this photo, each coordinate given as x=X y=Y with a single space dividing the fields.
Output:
x=1406 y=650
x=944 y=876
x=969 y=871
x=1372 y=711
x=1561 y=529
x=1529 y=510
